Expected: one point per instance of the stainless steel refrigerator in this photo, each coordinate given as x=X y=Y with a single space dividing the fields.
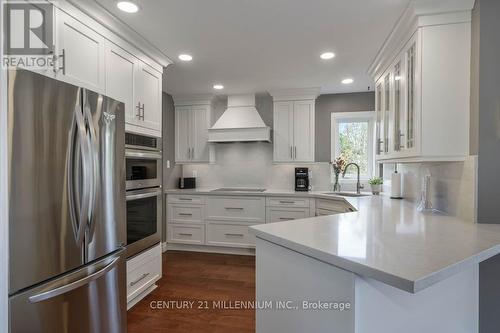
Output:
x=67 y=228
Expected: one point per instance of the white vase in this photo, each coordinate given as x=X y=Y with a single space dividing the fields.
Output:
x=376 y=189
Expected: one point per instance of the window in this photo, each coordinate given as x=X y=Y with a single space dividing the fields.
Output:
x=352 y=138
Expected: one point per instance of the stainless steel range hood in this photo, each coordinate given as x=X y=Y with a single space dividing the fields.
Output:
x=240 y=122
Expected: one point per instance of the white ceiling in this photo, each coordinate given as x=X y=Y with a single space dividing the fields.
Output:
x=258 y=45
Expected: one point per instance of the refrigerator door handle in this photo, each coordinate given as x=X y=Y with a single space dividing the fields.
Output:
x=73 y=285
x=85 y=151
x=94 y=158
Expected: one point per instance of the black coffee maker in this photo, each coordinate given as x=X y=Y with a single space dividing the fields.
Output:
x=302 y=179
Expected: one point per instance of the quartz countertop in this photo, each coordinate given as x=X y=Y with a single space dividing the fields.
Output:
x=389 y=241
x=384 y=239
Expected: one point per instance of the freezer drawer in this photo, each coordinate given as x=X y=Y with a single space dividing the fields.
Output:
x=91 y=299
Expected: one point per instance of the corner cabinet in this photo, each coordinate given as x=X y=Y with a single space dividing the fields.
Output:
x=192 y=121
x=422 y=94
x=294 y=126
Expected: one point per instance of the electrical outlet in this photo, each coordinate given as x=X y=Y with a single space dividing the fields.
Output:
x=168 y=164
x=195 y=173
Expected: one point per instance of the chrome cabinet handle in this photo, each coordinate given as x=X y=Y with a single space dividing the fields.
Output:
x=54 y=62
x=143 y=276
x=140 y=111
x=291 y=152
x=73 y=285
x=286 y=218
x=186 y=199
x=185 y=234
x=295 y=152
x=192 y=153
x=235 y=235
x=287 y=202
x=185 y=214
x=234 y=208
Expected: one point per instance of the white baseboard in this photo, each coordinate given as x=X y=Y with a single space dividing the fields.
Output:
x=209 y=249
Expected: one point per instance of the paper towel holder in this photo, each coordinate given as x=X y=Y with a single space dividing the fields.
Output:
x=396 y=194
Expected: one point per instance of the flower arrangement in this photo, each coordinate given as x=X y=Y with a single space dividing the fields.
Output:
x=338 y=166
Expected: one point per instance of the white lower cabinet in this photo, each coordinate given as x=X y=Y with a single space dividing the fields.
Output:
x=218 y=221
x=186 y=233
x=229 y=234
x=143 y=271
x=280 y=214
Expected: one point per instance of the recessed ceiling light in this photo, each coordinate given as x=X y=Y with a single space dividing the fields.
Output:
x=127 y=6
x=347 y=81
x=327 y=55
x=218 y=86
x=185 y=57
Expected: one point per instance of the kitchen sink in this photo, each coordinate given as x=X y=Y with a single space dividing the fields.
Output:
x=347 y=194
x=238 y=189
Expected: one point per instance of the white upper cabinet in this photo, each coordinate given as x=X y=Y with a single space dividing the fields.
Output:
x=147 y=97
x=192 y=121
x=90 y=55
x=422 y=91
x=81 y=53
x=120 y=78
x=294 y=127
x=283 y=131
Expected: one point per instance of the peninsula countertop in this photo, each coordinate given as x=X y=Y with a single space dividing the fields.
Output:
x=389 y=241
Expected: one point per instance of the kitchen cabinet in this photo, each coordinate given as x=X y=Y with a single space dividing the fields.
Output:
x=81 y=53
x=138 y=86
x=191 y=133
x=147 y=97
x=120 y=79
x=424 y=90
x=143 y=271
x=294 y=135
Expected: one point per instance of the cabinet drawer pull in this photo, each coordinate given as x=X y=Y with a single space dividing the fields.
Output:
x=185 y=214
x=287 y=202
x=185 y=234
x=235 y=235
x=133 y=283
x=186 y=199
x=286 y=218
x=235 y=208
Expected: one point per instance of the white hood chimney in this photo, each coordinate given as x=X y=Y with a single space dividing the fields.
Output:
x=240 y=122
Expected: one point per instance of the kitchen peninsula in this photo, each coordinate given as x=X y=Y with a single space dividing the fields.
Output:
x=401 y=270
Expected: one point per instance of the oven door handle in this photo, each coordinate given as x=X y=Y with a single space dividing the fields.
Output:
x=144 y=195
x=143 y=155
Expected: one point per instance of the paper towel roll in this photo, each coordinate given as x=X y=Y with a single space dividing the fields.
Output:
x=396 y=185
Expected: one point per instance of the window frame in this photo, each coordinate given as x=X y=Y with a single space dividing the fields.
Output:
x=354 y=116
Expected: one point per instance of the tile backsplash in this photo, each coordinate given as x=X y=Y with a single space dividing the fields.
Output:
x=453 y=184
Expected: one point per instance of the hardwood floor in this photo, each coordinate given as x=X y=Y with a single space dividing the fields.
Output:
x=198 y=277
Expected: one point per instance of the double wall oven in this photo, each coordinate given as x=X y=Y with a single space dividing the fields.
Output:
x=144 y=194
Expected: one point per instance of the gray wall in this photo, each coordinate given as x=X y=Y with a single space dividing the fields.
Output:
x=485 y=116
x=325 y=105
x=488 y=85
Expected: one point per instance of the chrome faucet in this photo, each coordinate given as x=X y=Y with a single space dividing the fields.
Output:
x=358 y=184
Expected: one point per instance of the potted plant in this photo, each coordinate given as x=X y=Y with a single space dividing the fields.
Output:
x=376 y=185
x=338 y=166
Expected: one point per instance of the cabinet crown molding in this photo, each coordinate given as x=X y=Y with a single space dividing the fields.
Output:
x=419 y=13
x=198 y=99
x=295 y=94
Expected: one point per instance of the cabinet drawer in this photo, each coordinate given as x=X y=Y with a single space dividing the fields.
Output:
x=236 y=209
x=178 y=213
x=143 y=271
x=233 y=235
x=288 y=202
x=186 y=199
x=326 y=212
x=186 y=234
x=280 y=214
x=333 y=205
